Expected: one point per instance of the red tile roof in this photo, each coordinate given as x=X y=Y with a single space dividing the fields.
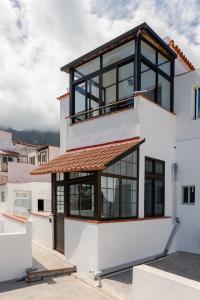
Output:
x=9 y=153
x=15 y=218
x=63 y=96
x=91 y=158
x=181 y=55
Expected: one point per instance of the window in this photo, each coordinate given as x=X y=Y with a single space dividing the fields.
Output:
x=154 y=187
x=40 y=204
x=148 y=82
x=196 y=103
x=119 y=53
x=148 y=52
x=164 y=64
x=119 y=188
x=81 y=199
x=60 y=199
x=189 y=195
x=32 y=160
x=73 y=175
x=2 y=196
x=87 y=68
x=126 y=80
x=164 y=92
x=59 y=176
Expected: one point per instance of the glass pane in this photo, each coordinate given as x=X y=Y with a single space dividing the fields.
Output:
x=148 y=198
x=164 y=64
x=93 y=95
x=126 y=71
x=129 y=198
x=159 y=198
x=59 y=176
x=192 y=194
x=159 y=167
x=148 y=82
x=148 y=52
x=80 y=100
x=185 y=194
x=164 y=92
x=148 y=165
x=86 y=200
x=126 y=88
x=60 y=199
x=110 y=197
x=119 y=53
x=109 y=87
x=87 y=68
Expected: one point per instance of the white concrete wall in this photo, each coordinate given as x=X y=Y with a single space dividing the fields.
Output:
x=187 y=158
x=124 y=242
x=15 y=251
x=3 y=205
x=93 y=247
x=42 y=230
x=153 y=284
x=81 y=245
x=64 y=123
x=53 y=152
x=5 y=139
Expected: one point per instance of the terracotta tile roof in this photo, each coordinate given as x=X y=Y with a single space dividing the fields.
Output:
x=91 y=158
x=9 y=153
x=63 y=96
x=16 y=218
x=181 y=55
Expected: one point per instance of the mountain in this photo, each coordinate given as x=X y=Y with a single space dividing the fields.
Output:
x=35 y=137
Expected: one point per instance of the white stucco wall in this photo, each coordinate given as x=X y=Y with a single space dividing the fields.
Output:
x=15 y=250
x=187 y=158
x=42 y=230
x=153 y=284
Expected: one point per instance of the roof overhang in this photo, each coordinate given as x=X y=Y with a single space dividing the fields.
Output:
x=144 y=30
x=91 y=158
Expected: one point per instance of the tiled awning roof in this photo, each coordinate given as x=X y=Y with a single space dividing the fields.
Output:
x=91 y=158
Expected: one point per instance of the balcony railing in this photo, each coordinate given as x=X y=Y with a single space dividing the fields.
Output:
x=106 y=109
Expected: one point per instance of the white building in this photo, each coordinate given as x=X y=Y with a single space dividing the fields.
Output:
x=43 y=154
x=130 y=159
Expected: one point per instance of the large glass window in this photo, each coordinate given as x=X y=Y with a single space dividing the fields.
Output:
x=148 y=82
x=154 y=187
x=81 y=199
x=60 y=199
x=87 y=68
x=80 y=104
x=119 y=188
x=164 y=92
x=148 y=52
x=164 y=64
x=119 y=53
x=109 y=87
x=126 y=80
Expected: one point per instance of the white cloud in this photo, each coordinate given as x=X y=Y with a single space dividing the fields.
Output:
x=38 y=37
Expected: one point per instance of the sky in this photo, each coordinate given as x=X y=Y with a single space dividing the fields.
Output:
x=37 y=37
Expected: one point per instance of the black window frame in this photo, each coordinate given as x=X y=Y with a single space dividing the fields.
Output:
x=188 y=188
x=137 y=58
x=153 y=176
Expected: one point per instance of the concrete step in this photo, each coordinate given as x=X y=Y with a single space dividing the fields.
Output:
x=37 y=275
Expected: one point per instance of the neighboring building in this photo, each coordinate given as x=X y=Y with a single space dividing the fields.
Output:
x=130 y=152
x=13 y=151
x=21 y=193
x=43 y=154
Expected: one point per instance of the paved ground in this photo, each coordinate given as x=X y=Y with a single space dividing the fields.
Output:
x=48 y=260
x=59 y=288
x=119 y=285
x=180 y=263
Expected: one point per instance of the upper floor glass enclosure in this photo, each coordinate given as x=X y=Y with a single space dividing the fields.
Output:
x=104 y=80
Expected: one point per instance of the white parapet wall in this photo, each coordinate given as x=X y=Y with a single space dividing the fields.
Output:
x=15 y=248
x=42 y=229
x=154 y=284
x=93 y=247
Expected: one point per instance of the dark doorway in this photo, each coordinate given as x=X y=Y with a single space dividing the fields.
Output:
x=40 y=204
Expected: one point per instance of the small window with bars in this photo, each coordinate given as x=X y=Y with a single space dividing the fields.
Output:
x=196 y=113
x=189 y=195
